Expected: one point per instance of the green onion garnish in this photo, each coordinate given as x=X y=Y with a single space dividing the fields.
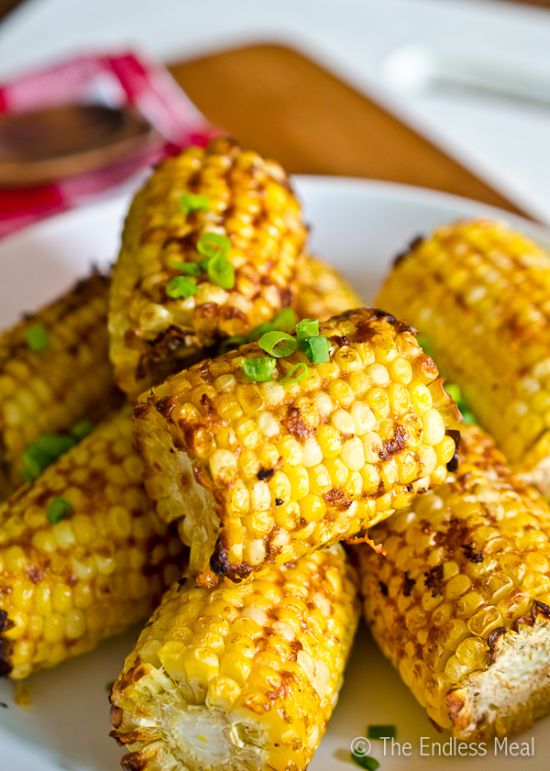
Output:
x=260 y=369
x=233 y=342
x=187 y=268
x=285 y=320
x=365 y=761
x=317 y=349
x=193 y=202
x=278 y=344
x=82 y=428
x=181 y=287
x=58 y=509
x=40 y=453
x=468 y=418
x=213 y=245
x=221 y=272
x=295 y=373
x=307 y=328
x=37 y=338
x=381 y=732
x=426 y=345
x=454 y=391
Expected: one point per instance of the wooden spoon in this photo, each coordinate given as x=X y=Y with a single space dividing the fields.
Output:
x=44 y=145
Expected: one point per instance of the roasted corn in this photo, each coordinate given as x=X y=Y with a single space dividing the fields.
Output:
x=321 y=291
x=209 y=250
x=239 y=677
x=460 y=603
x=480 y=293
x=81 y=555
x=54 y=371
x=258 y=472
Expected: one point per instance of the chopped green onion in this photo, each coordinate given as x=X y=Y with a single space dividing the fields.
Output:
x=37 y=337
x=365 y=761
x=295 y=373
x=187 y=268
x=39 y=454
x=213 y=245
x=82 y=428
x=233 y=342
x=454 y=391
x=260 y=369
x=426 y=345
x=193 y=202
x=381 y=732
x=278 y=344
x=468 y=418
x=181 y=287
x=317 y=349
x=260 y=330
x=221 y=272
x=307 y=328
x=58 y=509
x=285 y=320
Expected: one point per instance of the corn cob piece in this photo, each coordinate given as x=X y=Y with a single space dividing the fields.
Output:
x=54 y=370
x=481 y=283
x=269 y=471
x=154 y=326
x=82 y=556
x=322 y=292
x=461 y=601
x=239 y=677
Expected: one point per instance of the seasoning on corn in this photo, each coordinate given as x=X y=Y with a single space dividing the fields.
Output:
x=479 y=292
x=250 y=236
x=82 y=556
x=322 y=292
x=239 y=677
x=461 y=601
x=54 y=371
x=339 y=446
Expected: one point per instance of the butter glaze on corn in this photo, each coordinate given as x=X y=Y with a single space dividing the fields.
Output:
x=257 y=472
x=480 y=293
x=66 y=586
x=47 y=392
x=251 y=202
x=461 y=602
x=239 y=677
x=321 y=291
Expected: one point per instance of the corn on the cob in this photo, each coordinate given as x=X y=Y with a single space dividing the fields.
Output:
x=221 y=190
x=321 y=292
x=480 y=293
x=45 y=388
x=239 y=677
x=461 y=601
x=82 y=555
x=269 y=471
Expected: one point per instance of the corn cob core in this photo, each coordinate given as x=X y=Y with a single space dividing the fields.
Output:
x=321 y=291
x=461 y=602
x=242 y=677
x=47 y=391
x=66 y=586
x=257 y=472
x=250 y=201
x=480 y=292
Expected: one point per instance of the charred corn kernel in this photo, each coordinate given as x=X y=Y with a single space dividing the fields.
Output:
x=321 y=291
x=252 y=209
x=255 y=691
x=483 y=283
x=351 y=447
x=468 y=626
x=66 y=586
x=47 y=391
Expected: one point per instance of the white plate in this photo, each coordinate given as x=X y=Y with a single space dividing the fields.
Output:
x=358 y=226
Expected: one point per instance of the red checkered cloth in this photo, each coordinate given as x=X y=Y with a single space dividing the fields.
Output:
x=121 y=80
